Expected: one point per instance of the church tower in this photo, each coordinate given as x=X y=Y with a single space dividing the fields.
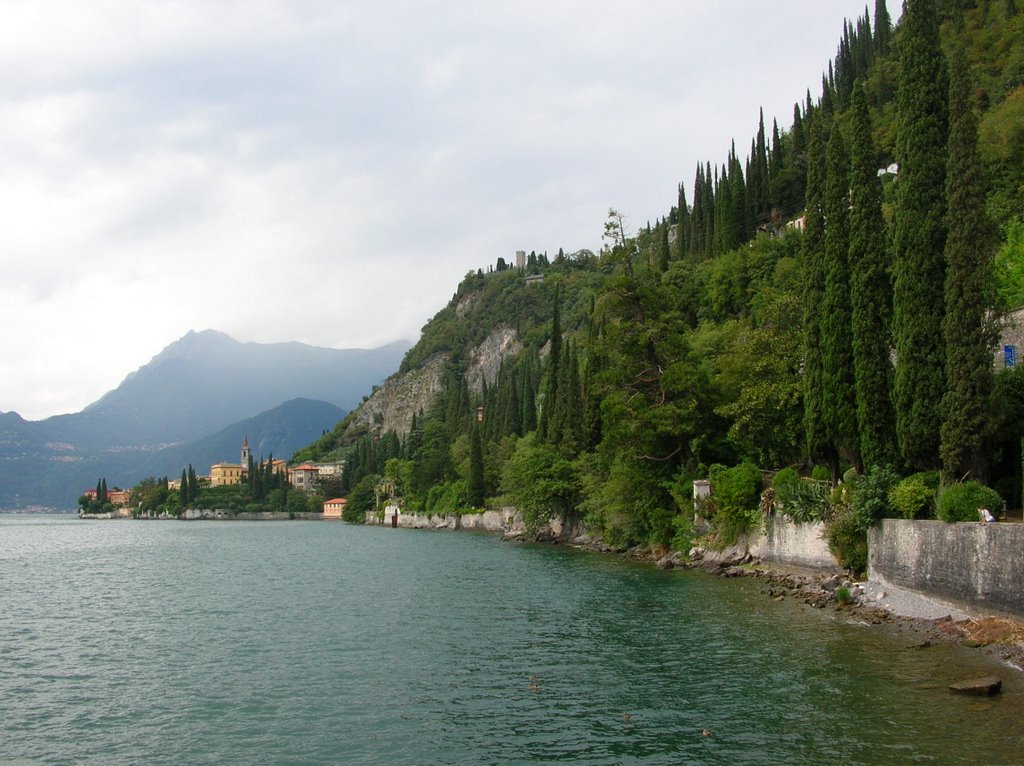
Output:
x=245 y=453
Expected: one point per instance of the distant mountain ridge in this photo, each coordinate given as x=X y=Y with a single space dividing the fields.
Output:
x=207 y=380
x=192 y=403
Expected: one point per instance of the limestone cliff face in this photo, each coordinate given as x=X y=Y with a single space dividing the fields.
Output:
x=393 y=404
x=486 y=359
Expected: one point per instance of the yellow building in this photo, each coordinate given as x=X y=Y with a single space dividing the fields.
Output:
x=224 y=474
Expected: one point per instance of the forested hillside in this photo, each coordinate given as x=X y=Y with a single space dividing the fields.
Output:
x=827 y=305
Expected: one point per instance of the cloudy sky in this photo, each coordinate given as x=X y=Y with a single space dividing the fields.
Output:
x=327 y=170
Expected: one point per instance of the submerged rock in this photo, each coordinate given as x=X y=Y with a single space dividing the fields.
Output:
x=985 y=686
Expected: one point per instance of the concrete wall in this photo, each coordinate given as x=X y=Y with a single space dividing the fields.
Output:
x=505 y=520
x=783 y=542
x=964 y=562
x=787 y=542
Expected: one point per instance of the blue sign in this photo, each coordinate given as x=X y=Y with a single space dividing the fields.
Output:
x=1010 y=356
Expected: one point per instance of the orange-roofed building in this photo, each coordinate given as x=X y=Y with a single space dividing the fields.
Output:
x=303 y=476
x=333 y=509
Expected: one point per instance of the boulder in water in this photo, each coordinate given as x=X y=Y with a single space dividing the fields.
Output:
x=985 y=686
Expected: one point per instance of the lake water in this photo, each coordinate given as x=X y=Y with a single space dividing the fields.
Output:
x=132 y=642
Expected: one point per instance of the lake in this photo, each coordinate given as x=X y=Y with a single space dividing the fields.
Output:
x=135 y=642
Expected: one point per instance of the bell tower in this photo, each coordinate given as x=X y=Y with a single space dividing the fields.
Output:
x=245 y=453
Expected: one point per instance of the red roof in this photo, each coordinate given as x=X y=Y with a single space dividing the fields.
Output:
x=335 y=501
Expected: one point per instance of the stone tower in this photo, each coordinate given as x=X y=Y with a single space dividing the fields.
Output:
x=520 y=259
x=245 y=453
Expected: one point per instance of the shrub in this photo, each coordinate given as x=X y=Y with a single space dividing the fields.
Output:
x=871 y=501
x=682 y=538
x=805 y=500
x=960 y=502
x=785 y=478
x=842 y=595
x=737 y=493
x=821 y=473
x=914 y=497
x=847 y=541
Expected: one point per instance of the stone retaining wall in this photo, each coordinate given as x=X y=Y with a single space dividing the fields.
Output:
x=783 y=541
x=787 y=542
x=967 y=561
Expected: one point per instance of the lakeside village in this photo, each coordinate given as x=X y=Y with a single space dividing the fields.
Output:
x=246 y=489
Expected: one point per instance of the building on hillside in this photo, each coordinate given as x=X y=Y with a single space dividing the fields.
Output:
x=116 y=497
x=303 y=476
x=226 y=474
x=330 y=469
x=333 y=509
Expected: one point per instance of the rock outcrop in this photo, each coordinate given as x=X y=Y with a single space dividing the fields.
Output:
x=393 y=403
x=486 y=359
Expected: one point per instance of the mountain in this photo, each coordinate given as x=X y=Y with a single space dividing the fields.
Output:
x=192 y=403
x=207 y=380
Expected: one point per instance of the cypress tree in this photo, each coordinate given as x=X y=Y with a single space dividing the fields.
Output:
x=920 y=236
x=883 y=28
x=741 y=229
x=760 y=164
x=476 y=468
x=813 y=255
x=870 y=296
x=183 y=489
x=683 y=224
x=695 y=240
x=710 y=190
x=839 y=407
x=969 y=293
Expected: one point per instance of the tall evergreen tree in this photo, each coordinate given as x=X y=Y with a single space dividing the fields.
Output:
x=969 y=289
x=883 y=27
x=839 y=407
x=698 y=224
x=920 y=236
x=814 y=292
x=183 y=497
x=683 y=224
x=476 y=488
x=870 y=296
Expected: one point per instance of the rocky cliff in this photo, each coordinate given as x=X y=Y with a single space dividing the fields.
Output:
x=486 y=359
x=393 y=403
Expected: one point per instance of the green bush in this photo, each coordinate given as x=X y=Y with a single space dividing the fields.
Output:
x=960 y=502
x=821 y=473
x=847 y=541
x=682 y=538
x=804 y=500
x=787 y=477
x=871 y=501
x=737 y=493
x=914 y=497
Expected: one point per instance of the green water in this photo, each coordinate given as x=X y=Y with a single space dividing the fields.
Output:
x=321 y=643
